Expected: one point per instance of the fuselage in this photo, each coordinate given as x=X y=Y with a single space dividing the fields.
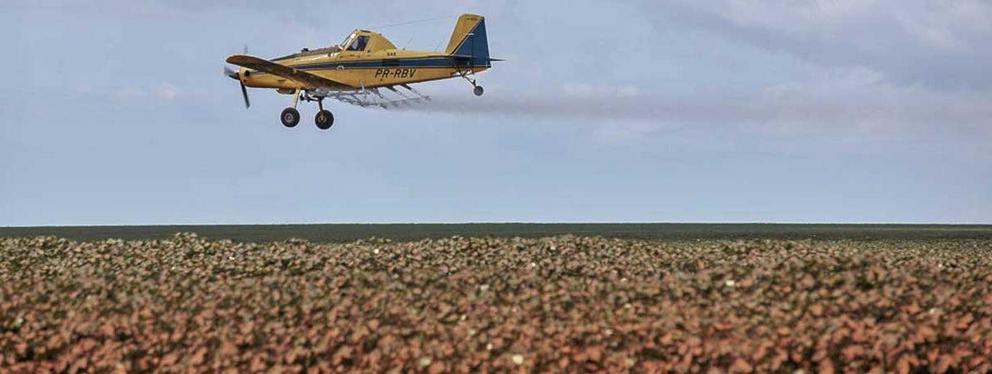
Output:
x=368 y=69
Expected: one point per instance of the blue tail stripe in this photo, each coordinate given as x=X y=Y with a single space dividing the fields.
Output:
x=476 y=45
x=438 y=62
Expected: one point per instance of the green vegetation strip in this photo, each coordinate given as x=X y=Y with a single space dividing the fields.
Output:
x=410 y=232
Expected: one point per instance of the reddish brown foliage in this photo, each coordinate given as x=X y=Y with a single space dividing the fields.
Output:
x=465 y=305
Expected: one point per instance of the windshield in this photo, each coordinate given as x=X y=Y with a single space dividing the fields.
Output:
x=355 y=43
x=359 y=44
x=347 y=41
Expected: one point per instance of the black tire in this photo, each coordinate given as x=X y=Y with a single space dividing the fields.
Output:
x=479 y=90
x=324 y=119
x=290 y=117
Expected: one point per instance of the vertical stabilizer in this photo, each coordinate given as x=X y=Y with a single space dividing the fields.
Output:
x=469 y=40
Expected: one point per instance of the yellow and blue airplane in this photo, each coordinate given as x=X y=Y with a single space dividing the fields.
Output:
x=362 y=68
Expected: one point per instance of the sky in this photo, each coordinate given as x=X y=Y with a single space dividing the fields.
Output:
x=820 y=111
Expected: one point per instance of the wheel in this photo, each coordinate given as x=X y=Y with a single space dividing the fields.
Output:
x=324 y=119
x=290 y=117
x=479 y=90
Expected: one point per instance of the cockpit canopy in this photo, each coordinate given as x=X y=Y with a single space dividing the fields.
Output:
x=363 y=40
x=358 y=41
x=355 y=42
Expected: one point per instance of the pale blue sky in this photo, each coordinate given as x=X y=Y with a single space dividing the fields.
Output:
x=116 y=112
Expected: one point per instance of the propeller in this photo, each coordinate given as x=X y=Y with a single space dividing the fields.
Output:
x=244 y=90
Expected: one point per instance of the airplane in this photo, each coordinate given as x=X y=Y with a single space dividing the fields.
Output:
x=363 y=70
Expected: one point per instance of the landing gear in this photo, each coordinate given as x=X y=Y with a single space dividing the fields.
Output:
x=324 y=119
x=478 y=90
x=290 y=117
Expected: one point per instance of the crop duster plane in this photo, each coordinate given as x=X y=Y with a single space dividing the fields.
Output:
x=365 y=70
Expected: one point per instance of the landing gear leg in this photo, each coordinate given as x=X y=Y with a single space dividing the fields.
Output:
x=477 y=90
x=324 y=118
x=290 y=116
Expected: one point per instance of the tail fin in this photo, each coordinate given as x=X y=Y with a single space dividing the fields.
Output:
x=470 y=41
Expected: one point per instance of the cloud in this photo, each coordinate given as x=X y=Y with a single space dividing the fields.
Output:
x=585 y=90
x=862 y=100
x=166 y=91
x=875 y=68
x=162 y=91
x=853 y=101
x=941 y=44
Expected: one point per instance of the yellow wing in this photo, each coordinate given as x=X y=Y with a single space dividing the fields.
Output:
x=288 y=72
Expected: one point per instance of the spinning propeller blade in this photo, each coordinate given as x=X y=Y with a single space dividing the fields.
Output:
x=244 y=90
